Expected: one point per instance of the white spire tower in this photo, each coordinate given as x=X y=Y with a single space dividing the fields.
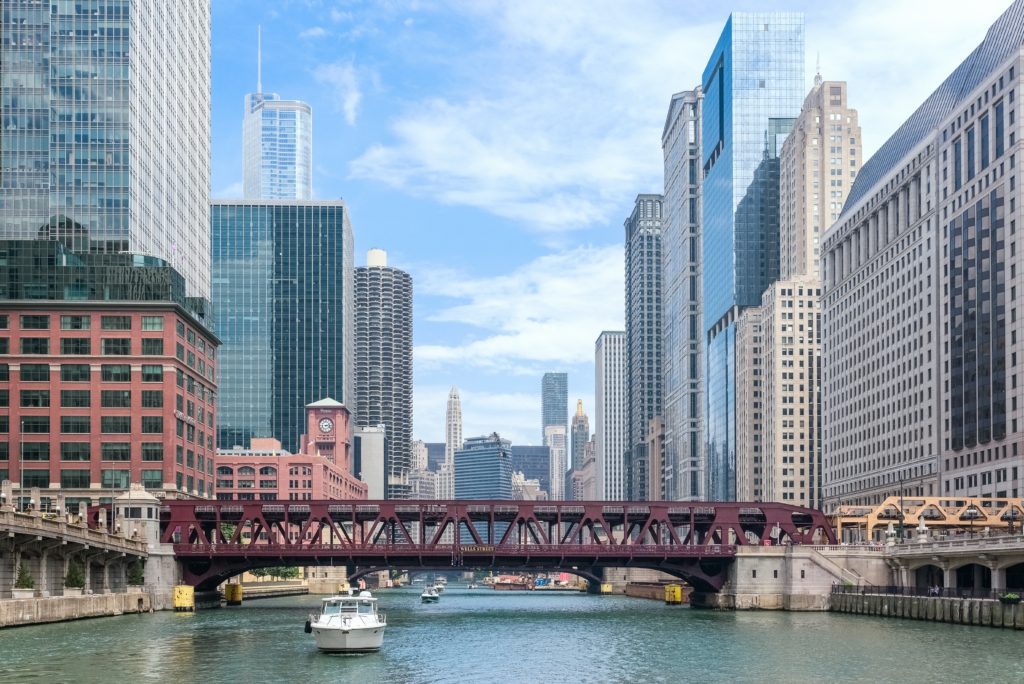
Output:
x=452 y=443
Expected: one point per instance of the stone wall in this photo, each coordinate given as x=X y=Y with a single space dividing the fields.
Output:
x=19 y=612
x=981 y=612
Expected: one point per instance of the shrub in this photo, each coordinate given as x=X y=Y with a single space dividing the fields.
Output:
x=75 y=579
x=136 y=574
x=25 y=579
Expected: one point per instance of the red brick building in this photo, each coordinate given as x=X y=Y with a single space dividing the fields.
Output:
x=321 y=470
x=107 y=377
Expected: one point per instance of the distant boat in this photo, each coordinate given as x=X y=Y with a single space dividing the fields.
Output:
x=430 y=595
x=439 y=588
x=471 y=586
x=348 y=624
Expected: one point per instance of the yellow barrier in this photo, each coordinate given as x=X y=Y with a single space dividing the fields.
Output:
x=673 y=594
x=184 y=599
x=606 y=587
x=233 y=594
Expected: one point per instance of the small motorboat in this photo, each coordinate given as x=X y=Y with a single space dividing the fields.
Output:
x=430 y=595
x=439 y=588
x=348 y=624
x=472 y=586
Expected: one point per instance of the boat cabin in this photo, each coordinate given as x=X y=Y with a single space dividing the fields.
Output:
x=349 y=605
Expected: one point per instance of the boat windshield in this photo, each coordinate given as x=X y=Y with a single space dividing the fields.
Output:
x=366 y=608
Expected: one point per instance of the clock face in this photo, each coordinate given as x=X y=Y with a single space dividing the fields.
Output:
x=326 y=425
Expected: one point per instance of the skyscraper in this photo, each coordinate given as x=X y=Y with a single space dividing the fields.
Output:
x=452 y=443
x=554 y=388
x=682 y=326
x=610 y=413
x=106 y=128
x=556 y=439
x=483 y=468
x=753 y=86
x=921 y=296
x=580 y=435
x=383 y=363
x=283 y=299
x=643 y=338
x=277 y=145
x=534 y=462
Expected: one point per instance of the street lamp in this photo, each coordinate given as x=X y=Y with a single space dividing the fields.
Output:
x=901 y=508
x=971 y=513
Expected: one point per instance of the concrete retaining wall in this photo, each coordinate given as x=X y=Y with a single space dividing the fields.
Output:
x=981 y=612
x=19 y=612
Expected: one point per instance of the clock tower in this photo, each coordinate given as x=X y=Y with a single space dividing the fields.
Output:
x=329 y=432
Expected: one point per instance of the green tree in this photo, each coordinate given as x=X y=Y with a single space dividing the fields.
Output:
x=25 y=579
x=75 y=579
x=137 y=573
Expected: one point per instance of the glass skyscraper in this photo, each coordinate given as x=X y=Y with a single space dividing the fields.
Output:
x=753 y=88
x=105 y=133
x=483 y=468
x=283 y=287
x=277 y=148
x=554 y=388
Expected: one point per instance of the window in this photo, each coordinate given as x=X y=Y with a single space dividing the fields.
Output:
x=5 y=372
x=75 y=425
x=152 y=322
x=75 y=322
x=35 y=478
x=115 y=425
x=5 y=345
x=75 y=345
x=74 y=479
x=35 y=345
x=152 y=399
x=5 y=425
x=115 y=479
x=74 y=372
x=35 y=451
x=116 y=322
x=153 y=479
x=179 y=351
x=35 y=425
x=31 y=322
x=116 y=373
x=3 y=322
x=191 y=336
x=152 y=373
x=152 y=346
x=35 y=372
x=74 y=398
x=116 y=399
x=152 y=425
x=180 y=328
x=74 y=451
x=152 y=451
x=117 y=346
x=35 y=398
x=116 y=451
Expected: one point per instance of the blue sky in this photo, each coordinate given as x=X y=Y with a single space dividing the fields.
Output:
x=495 y=148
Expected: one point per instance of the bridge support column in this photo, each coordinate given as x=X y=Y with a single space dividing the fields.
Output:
x=998 y=577
x=948 y=577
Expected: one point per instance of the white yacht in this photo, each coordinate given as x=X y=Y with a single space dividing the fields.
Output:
x=348 y=624
x=430 y=595
x=439 y=588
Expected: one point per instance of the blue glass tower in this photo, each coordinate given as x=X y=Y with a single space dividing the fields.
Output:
x=753 y=88
x=483 y=469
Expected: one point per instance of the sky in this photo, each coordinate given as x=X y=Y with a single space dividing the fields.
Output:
x=495 y=148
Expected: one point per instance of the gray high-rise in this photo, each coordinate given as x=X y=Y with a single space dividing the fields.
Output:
x=643 y=338
x=283 y=299
x=682 y=326
x=753 y=87
x=383 y=363
x=554 y=388
x=106 y=128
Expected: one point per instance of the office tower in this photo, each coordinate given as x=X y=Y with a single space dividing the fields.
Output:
x=106 y=129
x=452 y=443
x=682 y=327
x=580 y=438
x=610 y=413
x=370 y=449
x=436 y=454
x=643 y=338
x=554 y=389
x=283 y=299
x=422 y=480
x=277 y=145
x=108 y=370
x=753 y=88
x=383 y=362
x=920 y=389
x=483 y=468
x=556 y=439
x=749 y=404
x=534 y=462
x=654 y=443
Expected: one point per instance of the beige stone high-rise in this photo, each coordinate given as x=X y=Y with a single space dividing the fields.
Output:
x=779 y=454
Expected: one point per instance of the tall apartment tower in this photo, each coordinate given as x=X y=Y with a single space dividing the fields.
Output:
x=554 y=389
x=556 y=439
x=283 y=298
x=922 y=318
x=383 y=363
x=682 y=327
x=106 y=129
x=277 y=145
x=610 y=414
x=452 y=443
x=643 y=337
x=753 y=89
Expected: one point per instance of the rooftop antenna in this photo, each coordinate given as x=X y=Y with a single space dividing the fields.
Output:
x=817 y=69
x=259 y=58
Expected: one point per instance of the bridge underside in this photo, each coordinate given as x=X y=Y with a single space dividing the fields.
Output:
x=695 y=542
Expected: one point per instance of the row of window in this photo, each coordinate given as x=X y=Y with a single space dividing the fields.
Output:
x=82 y=372
x=84 y=322
x=81 y=479
x=80 y=346
x=40 y=398
x=109 y=425
x=82 y=451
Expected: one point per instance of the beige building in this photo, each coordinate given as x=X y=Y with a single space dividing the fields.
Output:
x=920 y=307
x=656 y=462
x=749 y=405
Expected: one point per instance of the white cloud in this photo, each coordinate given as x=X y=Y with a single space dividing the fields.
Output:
x=343 y=78
x=514 y=415
x=314 y=32
x=545 y=313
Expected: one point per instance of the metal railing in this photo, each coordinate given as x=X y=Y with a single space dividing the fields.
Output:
x=927 y=592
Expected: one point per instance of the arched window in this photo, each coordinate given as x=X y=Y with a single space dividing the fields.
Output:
x=224 y=470
x=246 y=470
x=268 y=470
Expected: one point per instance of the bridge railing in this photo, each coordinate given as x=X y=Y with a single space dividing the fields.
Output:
x=933 y=592
x=377 y=549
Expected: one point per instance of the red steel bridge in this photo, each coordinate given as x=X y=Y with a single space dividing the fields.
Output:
x=693 y=541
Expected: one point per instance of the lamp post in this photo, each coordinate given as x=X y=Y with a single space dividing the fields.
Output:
x=901 y=508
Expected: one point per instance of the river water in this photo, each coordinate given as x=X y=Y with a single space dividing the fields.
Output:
x=485 y=636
